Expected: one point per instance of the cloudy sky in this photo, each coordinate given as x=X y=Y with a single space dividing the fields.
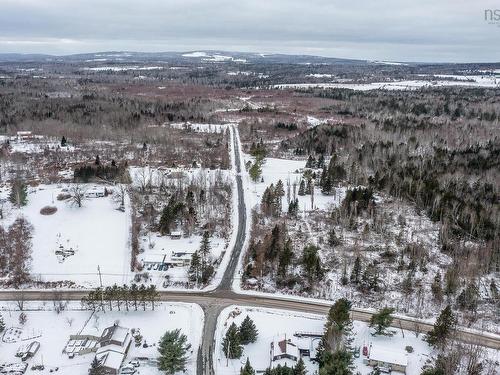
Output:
x=401 y=30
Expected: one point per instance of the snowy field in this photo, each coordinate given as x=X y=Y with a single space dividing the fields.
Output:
x=35 y=145
x=285 y=170
x=97 y=232
x=52 y=330
x=278 y=323
x=468 y=81
x=200 y=128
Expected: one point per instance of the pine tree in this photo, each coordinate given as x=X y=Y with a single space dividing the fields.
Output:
x=97 y=160
x=231 y=345
x=255 y=170
x=173 y=348
x=248 y=369
x=311 y=162
x=468 y=299
x=333 y=239
x=337 y=363
x=437 y=288
x=248 y=331
x=96 y=368
x=338 y=328
x=64 y=142
x=285 y=258
x=311 y=263
x=279 y=192
x=356 y=271
x=205 y=249
x=309 y=186
x=18 y=193
x=444 y=326
x=194 y=267
x=2 y=324
x=300 y=368
x=302 y=188
x=382 y=320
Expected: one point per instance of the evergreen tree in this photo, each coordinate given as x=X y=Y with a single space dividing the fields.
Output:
x=443 y=328
x=370 y=278
x=248 y=369
x=382 y=320
x=279 y=192
x=205 y=248
x=338 y=328
x=255 y=170
x=321 y=161
x=285 y=258
x=293 y=208
x=96 y=368
x=18 y=193
x=337 y=363
x=64 y=142
x=300 y=368
x=309 y=188
x=173 y=349
x=302 y=188
x=248 y=331
x=437 y=288
x=231 y=345
x=97 y=160
x=311 y=162
x=356 y=271
x=194 y=271
x=333 y=240
x=2 y=324
x=327 y=186
x=311 y=263
x=468 y=299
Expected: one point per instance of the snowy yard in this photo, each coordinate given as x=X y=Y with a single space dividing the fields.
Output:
x=97 y=232
x=273 y=324
x=285 y=170
x=53 y=331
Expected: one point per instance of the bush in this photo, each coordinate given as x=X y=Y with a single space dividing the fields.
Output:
x=409 y=349
x=63 y=196
x=48 y=210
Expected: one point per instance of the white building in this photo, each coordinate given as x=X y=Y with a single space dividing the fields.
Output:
x=388 y=360
x=114 y=344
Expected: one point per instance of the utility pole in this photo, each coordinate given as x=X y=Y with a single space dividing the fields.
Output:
x=100 y=281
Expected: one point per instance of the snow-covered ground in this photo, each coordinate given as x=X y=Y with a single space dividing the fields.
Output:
x=97 y=232
x=468 y=81
x=53 y=331
x=273 y=324
x=202 y=128
x=35 y=145
x=290 y=171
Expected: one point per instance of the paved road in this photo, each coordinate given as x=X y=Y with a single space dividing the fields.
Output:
x=215 y=301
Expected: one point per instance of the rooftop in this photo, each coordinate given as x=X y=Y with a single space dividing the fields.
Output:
x=392 y=356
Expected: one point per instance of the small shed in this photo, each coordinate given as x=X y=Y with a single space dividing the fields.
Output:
x=176 y=235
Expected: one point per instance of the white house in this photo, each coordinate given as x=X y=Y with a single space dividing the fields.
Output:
x=283 y=348
x=388 y=360
x=114 y=344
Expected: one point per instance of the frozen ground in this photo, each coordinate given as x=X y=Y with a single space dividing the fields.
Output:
x=97 y=232
x=435 y=81
x=286 y=170
x=52 y=330
x=278 y=323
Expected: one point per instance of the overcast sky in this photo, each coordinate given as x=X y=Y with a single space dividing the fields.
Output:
x=400 y=30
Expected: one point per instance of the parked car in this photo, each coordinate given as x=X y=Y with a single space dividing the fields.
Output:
x=135 y=363
x=128 y=370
